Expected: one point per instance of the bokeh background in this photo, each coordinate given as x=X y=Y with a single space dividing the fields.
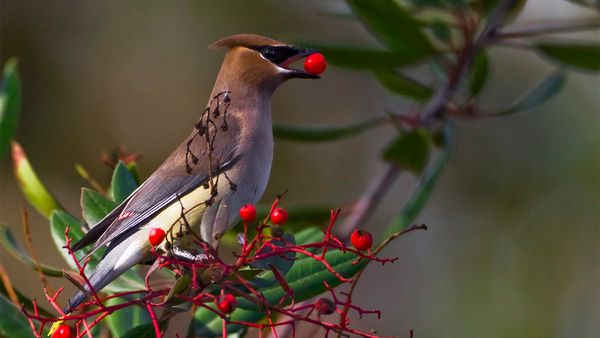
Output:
x=513 y=247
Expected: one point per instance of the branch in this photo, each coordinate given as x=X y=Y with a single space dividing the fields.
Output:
x=547 y=27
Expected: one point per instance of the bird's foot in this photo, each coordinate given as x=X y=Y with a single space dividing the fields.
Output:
x=192 y=256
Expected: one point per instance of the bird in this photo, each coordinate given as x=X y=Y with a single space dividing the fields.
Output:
x=222 y=165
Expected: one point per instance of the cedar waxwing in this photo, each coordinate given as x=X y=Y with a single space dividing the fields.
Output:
x=224 y=164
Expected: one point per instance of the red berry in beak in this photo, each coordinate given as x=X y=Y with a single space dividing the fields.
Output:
x=63 y=331
x=156 y=236
x=226 y=303
x=315 y=63
x=279 y=216
x=361 y=240
x=248 y=213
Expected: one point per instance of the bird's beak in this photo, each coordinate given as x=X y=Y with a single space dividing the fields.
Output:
x=298 y=73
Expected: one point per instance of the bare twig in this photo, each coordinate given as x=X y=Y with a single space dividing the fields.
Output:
x=366 y=204
x=31 y=248
x=8 y=286
x=547 y=27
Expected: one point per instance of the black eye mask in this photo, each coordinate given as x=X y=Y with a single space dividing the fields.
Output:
x=277 y=54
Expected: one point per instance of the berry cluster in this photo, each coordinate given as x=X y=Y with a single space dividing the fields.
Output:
x=265 y=246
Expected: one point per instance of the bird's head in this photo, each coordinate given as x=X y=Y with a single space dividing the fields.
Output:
x=259 y=61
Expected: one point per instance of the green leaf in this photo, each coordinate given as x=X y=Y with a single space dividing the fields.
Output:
x=403 y=85
x=24 y=301
x=122 y=321
x=31 y=186
x=410 y=150
x=10 y=244
x=394 y=26
x=59 y=221
x=122 y=184
x=479 y=73
x=143 y=331
x=10 y=104
x=14 y=324
x=95 y=206
x=587 y=3
x=305 y=278
x=363 y=58
x=441 y=31
x=489 y=6
x=538 y=95
x=586 y=56
x=323 y=134
x=417 y=200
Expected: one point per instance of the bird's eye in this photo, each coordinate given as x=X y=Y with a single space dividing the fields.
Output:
x=272 y=54
x=277 y=54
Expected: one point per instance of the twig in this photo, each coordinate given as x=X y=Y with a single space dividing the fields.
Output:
x=366 y=204
x=8 y=286
x=31 y=248
x=547 y=27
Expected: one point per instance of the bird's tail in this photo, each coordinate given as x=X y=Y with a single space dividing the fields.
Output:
x=104 y=273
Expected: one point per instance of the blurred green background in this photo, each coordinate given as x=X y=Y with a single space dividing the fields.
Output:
x=513 y=247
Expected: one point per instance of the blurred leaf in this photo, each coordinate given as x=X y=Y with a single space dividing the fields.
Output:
x=585 y=56
x=31 y=186
x=10 y=244
x=122 y=184
x=410 y=150
x=143 y=331
x=401 y=84
x=14 y=324
x=124 y=320
x=25 y=302
x=488 y=7
x=323 y=134
x=417 y=200
x=305 y=278
x=587 y=3
x=441 y=31
x=538 y=95
x=354 y=57
x=428 y=3
x=479 y=73
x=393 y=25
x=10 y=104
x=95 y=206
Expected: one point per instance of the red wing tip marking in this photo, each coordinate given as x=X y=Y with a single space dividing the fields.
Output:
x=125 y=214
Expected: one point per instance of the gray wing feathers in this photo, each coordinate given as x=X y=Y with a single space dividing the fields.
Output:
x=177 y=176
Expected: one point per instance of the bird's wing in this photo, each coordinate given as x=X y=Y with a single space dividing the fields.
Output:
x=99 y=228
x=208 y=152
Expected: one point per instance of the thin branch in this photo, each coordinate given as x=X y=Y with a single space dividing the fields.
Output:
x=8 y=286
x=31 y=248
x=548 y=27
x=365 y=206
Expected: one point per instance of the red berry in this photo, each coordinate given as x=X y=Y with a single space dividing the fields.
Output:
x=226 y=303
x=248 y=213
x=63 y=331
x=315 y=63
x=325 y=306
x=279 y=216
x=361 y=240
x=156 y=236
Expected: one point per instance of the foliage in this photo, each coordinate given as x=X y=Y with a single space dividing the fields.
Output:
x=271 y=276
